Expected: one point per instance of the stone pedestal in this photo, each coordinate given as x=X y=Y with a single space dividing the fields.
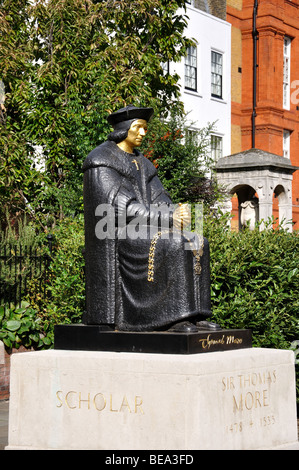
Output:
x=243 y=399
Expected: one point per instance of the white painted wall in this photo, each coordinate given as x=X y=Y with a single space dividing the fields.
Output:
x=211 y=33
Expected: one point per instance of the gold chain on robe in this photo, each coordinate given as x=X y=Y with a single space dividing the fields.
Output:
x=151 y=258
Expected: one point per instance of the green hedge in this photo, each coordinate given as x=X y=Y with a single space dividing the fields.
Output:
x=22 y=326
x=255 y=282
x=32 y=324
x=65 y=301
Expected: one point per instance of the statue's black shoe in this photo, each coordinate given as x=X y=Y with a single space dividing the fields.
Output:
x=183 y=327
x=207 y=326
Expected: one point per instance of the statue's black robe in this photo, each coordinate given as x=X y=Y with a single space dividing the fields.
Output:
x=118 y=291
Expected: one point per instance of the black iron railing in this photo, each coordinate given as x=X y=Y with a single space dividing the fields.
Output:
x=19 y=266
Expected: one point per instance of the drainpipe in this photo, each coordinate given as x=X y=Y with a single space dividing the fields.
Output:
x=255 y=65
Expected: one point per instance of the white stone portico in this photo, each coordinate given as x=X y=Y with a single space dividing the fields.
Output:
x=260 y=173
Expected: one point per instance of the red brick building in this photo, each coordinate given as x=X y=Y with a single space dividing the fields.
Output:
x=265 y=98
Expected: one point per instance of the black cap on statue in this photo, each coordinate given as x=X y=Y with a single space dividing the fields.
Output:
x=129 y=113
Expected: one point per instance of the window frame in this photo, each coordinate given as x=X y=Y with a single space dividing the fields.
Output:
x=165 y=67
x=286 y=141
x=217 y=74
x=216 y=151
x=188 y=76
x=287 y=41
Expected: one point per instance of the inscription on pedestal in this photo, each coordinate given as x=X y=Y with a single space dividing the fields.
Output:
x=74 y=400
x=224 y=340
x=250 y=399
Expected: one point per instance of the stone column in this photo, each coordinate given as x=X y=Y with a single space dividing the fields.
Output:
x=265 y=212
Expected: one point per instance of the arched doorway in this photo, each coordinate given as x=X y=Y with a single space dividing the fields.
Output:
x=281 y=211
x=245 y=207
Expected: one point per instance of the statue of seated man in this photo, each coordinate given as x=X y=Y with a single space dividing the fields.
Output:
x=139 y=274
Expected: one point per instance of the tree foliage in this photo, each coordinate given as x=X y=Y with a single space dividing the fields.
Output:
x=183 y=159
x=65 y=65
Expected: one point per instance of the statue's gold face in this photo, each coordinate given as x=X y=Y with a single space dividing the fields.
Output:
x=136 y=133
x=135 y=136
